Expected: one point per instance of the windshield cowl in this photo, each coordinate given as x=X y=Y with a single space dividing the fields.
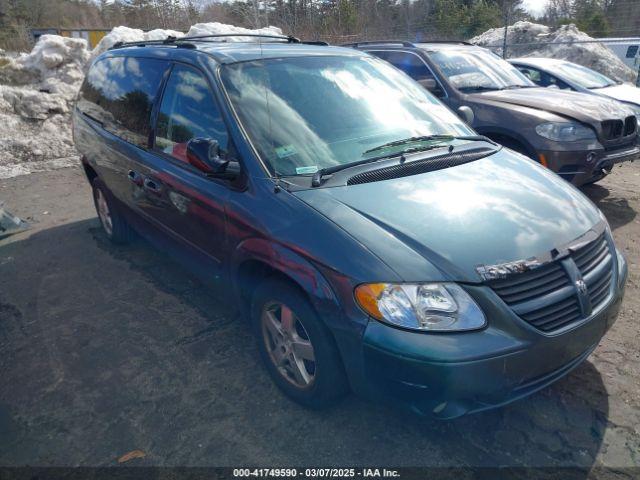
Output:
x=476 y=149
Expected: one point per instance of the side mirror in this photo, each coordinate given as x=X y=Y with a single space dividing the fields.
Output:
x=432 y=86
x=204 y=154
x=428 y=83
x=466 y=114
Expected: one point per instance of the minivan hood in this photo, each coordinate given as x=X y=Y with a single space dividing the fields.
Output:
x=578 y=106
x=624 y=93
x=499 y=209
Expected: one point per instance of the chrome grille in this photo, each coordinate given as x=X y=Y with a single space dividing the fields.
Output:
x=547 y=299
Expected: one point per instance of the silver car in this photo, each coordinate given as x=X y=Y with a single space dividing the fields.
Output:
x=551 y=72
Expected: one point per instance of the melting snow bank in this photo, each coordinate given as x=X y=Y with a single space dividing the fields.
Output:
x=36 y=94
x=526 y=39
x=37 y=91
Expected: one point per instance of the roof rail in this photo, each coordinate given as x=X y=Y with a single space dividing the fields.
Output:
x=170 y=40
x=455 y=42
x=379 y=42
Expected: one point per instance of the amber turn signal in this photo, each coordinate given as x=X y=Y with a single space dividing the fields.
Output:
x=367 y=296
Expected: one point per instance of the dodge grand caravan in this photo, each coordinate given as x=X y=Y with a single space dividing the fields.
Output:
x=580 y=137
x=374 y=240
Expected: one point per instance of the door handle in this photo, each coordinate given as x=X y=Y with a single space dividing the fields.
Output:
x=135 y=177
x=152 y=185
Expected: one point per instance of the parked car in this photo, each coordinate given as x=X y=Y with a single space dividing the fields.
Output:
x=627 y=49
x=373 y=239
x=550 y=72
x=577 y=136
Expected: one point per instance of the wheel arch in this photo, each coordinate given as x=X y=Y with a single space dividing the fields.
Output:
x=510 y=137
x=257 y=259
x=89 y=171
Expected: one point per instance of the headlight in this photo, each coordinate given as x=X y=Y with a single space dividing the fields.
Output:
x=429 y=307
x=565 y=131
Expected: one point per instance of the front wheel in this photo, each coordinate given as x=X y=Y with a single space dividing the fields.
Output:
x=298 y=350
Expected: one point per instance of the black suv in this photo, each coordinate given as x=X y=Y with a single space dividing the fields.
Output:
x=578 y=136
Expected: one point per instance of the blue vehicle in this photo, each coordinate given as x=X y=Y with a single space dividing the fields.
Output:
x=375 y=242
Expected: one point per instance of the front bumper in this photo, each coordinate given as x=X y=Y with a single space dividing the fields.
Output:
x=449 y=375
x=587 y=166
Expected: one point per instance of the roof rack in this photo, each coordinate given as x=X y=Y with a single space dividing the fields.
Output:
x=171 y=40
x=455 y=42
x=404 y=43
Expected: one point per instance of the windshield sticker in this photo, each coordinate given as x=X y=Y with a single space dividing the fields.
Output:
x=285 y=151
x=303 y=170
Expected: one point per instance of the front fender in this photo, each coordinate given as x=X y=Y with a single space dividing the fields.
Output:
x=330 y=293
x=294 y=265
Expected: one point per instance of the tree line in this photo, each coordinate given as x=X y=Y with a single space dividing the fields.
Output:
x=330 y=20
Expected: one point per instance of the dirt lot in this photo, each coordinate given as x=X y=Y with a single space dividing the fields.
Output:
x=104 y=350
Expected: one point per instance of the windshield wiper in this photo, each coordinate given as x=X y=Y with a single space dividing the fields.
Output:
x=478 y=88
x=316 y=180
x=427 y=138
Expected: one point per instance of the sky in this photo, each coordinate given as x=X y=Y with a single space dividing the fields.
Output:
x=534 y=7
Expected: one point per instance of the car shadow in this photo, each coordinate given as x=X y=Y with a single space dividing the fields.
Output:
x=107 y=349
x=616 y=209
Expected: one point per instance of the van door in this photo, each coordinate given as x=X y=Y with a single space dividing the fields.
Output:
x=175 y=195
x=117 y=99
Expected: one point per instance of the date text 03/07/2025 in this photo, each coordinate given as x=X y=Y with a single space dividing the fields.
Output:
x=316 y=473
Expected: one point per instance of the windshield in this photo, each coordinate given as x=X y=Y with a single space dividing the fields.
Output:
x=472 y=69
x=308 y=113
x=583 y=76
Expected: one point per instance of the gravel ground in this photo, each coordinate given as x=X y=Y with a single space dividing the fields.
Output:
x=106 y=349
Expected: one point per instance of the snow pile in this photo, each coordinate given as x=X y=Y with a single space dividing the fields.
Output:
x=216 y=28
x=526 y=39
x=37 y=91
x=126 y=34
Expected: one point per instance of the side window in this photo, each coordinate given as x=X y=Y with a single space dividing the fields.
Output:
x=531 y=73
x=632 y=51
x=413 y=66
x=119 y=92
x=188 y=110
x=550 y=80
x=409 y=63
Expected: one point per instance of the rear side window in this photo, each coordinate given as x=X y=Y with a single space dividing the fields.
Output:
x=632 y=51
x=543 y=78
x=532 y=74
x=188 y=110
x=409 y=63
x=119 y=92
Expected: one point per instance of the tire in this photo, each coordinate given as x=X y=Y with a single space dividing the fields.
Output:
x=112 y=221
x=320 y=380
x=594 y=179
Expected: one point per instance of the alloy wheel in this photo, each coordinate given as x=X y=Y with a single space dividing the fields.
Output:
x=288 y=344
x=103 y=212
